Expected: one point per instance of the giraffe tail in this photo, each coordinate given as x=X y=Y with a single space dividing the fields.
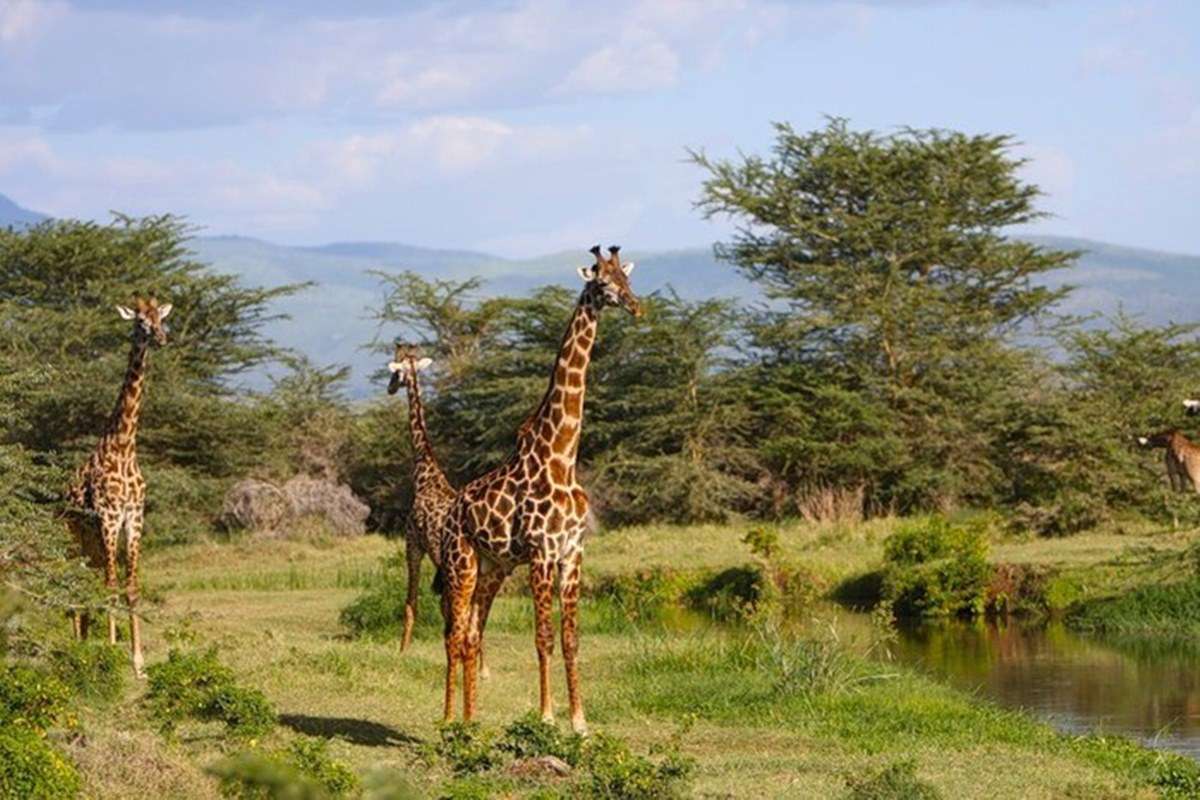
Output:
x=439 y=581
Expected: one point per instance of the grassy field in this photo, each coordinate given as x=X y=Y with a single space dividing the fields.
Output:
x=762 y=714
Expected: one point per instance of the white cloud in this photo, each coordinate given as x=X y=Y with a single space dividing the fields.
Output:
x=637 y=63
x=20 y=150
x=23 y=19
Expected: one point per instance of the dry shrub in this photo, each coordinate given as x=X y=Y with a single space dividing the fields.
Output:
x=265 y=508
x=822 y=503
x=333 y=502
x=254 y=505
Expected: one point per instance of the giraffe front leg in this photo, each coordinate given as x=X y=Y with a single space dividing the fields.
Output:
x=110 y=531
x=541 y=583
x=568 y=586
x=461 y=574
x=413 y=555
x=134 y=545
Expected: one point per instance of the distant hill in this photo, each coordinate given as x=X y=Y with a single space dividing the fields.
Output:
x=14 y=216
x=331 y=323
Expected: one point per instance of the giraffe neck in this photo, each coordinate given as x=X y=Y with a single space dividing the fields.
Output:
x=559 y=418
x=123 y=424
x=422 y=449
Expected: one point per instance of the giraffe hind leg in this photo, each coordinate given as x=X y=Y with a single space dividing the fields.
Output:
x=569 y=576
x=412 y=555
x=541 y=583
x=133 y=544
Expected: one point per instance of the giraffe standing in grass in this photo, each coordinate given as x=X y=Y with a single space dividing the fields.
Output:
x=531 y=509
x=432 y=493
x=1182 y=458
x=107 y=496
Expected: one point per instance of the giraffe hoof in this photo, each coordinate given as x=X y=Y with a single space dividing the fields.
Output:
x=484 y=674
x=579 y=727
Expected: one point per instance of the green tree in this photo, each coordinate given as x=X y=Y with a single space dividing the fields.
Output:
x=896 y=299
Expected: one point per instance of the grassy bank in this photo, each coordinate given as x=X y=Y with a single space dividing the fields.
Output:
x=760 y=713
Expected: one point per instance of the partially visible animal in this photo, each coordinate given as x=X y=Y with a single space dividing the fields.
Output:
x=1182 y=459
x=1191 y=407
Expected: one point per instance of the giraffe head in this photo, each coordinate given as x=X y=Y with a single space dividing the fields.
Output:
x=608 y=281
x=147 y=316
x=405 y=364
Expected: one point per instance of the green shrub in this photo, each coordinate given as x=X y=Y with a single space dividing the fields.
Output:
x=733 y=593
x=304 y=770
x=529 y=737
x=30 y=769
x=642 y=595
x=935 y=568
x=31 y=699
x=896 y=781
x=91 y=669
x=378 y=612
x=1023 y=589
x=258 y=776
x=195 y=685
x=311 y=757
x=616 y=773
x=467 y=747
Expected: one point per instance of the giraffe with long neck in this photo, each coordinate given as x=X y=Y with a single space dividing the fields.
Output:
x=432 y=493
x=107 y=495
x=531 y=509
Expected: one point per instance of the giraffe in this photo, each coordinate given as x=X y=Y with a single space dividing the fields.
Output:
x=432 y=493
x=109 y=485
x=1182 y=458
x=531 y=509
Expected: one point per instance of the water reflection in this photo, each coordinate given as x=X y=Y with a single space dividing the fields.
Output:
x=1078 y=684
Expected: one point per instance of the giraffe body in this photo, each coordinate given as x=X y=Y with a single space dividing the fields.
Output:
x=432 y=493
x=107 y=495
x=1182 y=459
x=531 y=509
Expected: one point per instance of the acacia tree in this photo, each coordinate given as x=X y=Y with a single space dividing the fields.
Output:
x=896 y=297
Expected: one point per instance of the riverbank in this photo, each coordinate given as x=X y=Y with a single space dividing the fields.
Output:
x=760 y=712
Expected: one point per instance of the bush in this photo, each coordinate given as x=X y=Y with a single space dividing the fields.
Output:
x=195 y=685
x=91 y=669
x=311 y=757
x=257 y=776
x=466 y=747
x=301 y=772
x=31 y=699
x=378 y=612
x=530 y=737
x=616 y=773
x=936 y=568
x=1018 y=589
x=896 y=781
x=30 y=769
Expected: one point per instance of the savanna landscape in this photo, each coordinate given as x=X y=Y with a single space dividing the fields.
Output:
x=890 y=493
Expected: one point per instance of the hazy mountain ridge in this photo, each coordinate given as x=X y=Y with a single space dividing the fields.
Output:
x=331 y=323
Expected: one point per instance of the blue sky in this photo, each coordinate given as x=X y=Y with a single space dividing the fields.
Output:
x=530 y=126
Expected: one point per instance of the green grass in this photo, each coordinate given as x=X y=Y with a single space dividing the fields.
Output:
x=763 y=713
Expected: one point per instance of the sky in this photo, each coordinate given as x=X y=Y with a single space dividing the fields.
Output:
x=526 y=127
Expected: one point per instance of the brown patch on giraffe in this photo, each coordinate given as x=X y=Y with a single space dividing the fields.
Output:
x=574 y=404
x=560 y=373
x=563 y=441
x=575 y=380
x=558 y=471
x=578 y=359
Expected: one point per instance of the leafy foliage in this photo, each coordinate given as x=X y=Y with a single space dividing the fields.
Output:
x=194 y=685
x=30 y=769
x=935 y=567
x=378 y=611
x=91 y=669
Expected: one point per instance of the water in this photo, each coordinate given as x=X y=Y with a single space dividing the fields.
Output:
x=1078 y=684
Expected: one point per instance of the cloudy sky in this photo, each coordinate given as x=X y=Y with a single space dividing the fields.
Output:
x=533 y=125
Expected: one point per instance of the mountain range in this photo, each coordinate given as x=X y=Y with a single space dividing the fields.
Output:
x=331 y=322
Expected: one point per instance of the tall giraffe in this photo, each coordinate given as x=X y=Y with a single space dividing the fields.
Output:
x=432 y=493
x=109 y=485
x=532 y=509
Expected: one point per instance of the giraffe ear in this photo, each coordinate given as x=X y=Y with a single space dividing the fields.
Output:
x=126 y=312
x=163 y=310
x=628 y=267
x=587 y=273
x=395 y=366
x=423 y=363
